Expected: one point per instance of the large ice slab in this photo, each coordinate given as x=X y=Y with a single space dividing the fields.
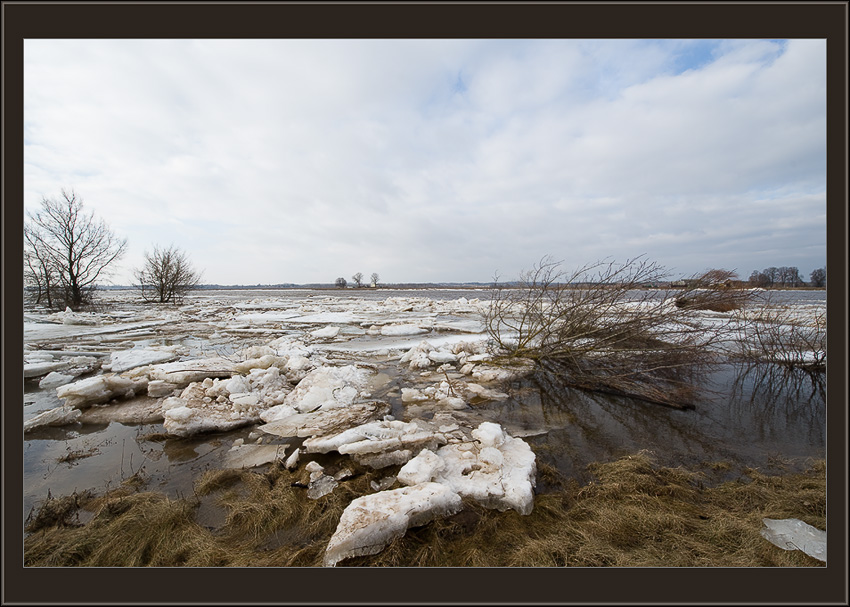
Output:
x=407 y=329
x=794 y=534
x=100 y=389
x=185 y=372
x=325 y=421
x=250 y=456
x=60 y=416
x=327 y=387
x=378 y=437
x=370 y=522
x=138 y=357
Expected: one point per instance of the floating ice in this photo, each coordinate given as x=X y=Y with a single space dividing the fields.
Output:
x=395 y=330
x=328 y=387
x=60 y=416
x=211 y=405
x=322 y=421
x=320 y=483
x=263 y=362
x=326 y=333
x=158 y=388
x=69 y=317
x=100 y=389
x=371 y=522
x=37 y=369
x=378 y=437
x=185 y=372
x=138 y=357
x=55 y=379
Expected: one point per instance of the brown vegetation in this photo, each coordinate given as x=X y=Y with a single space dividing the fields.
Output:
x=634 y=513
x=597 y=329
x=779 y=336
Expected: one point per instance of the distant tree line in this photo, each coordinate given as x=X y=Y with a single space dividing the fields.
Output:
x=67 y=251
x=786 y=277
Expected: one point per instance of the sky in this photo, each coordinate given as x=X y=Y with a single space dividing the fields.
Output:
x=445 y=160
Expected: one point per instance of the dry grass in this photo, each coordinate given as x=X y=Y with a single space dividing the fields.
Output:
x=633 y=514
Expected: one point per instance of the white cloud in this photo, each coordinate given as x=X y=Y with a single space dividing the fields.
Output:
x=427 y=160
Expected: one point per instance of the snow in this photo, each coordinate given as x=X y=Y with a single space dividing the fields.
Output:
x=371 y=522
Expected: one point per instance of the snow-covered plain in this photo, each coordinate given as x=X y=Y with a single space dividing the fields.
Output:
x=395 y=379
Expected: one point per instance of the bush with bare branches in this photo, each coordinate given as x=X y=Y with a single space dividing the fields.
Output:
x=598 y=328
x=714 y=290
x=166 y=275
x=782 y=336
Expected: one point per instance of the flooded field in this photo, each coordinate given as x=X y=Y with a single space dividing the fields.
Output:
x=422 y=353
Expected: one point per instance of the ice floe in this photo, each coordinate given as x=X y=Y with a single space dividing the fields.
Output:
x=138 y=357
x=59 y=416
x=324 y=421
x=323 y=387
x=243 y=455
x=224 y=404
x=370 y=522
x=100 y=389
x=378 y=437
x=496 y=470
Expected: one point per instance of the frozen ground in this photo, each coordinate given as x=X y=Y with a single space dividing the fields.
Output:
x=233 y=379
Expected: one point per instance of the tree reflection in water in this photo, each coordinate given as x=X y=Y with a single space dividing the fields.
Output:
x=745 y=417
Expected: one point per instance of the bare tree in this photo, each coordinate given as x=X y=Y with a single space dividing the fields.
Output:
x=341 y=282
x=598 y=329
x=39 y=271
x=77 y=248
x=818 y=277
x=375 y=279
x=166 y=275
x=358 y=279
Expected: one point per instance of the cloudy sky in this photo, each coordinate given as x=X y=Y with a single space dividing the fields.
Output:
x=300 y=161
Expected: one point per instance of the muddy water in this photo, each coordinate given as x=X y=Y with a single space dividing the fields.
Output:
x=743 y=419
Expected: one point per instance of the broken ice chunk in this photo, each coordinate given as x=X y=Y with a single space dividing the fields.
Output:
x=250 y=456
x=497 y=470
x=370 y=522
x=60 y=416
x=55 y=379
x=99 y=389
x=322 y=421
x=794 y=534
